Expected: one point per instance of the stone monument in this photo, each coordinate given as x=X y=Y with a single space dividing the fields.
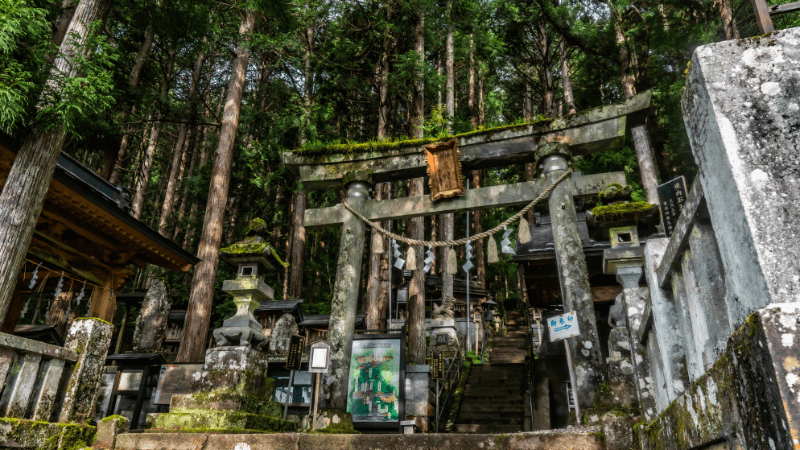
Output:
x=444 y=337
x=233 y=391
x=282 y=332
x=151 y=325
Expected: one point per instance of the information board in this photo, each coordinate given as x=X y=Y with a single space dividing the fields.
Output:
x=671 y=197
x=437 y=365
x=375 y=386
x=320 y=357
x=563 y=326
x=295 y=357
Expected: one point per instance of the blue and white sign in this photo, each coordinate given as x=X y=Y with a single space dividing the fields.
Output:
x=563 y=326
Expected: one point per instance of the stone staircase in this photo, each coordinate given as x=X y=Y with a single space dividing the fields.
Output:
x=493 y=399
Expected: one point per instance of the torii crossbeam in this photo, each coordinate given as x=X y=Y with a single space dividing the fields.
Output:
x=550 y=144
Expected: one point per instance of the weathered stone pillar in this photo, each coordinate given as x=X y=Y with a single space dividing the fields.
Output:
x=151 y=325
x=667 y=325
x=634 y=303
x=20 y=385
x=694 y=361
x=345 y=297
x=90 y=339
x=742 y=117
x=647 y=167
x=573 y=276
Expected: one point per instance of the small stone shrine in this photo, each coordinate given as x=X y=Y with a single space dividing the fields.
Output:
x=233 y=391
x=444 y=337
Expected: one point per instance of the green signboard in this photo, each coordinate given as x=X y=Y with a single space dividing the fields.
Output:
x=376 y=377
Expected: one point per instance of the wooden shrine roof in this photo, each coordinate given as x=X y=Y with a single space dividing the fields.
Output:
x=85 y=229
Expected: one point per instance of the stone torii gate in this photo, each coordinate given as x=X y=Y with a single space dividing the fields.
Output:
x=550 y=144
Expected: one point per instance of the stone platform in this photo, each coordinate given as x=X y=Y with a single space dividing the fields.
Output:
x=587 y=439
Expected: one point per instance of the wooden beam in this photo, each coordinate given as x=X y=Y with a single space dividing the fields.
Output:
x=516 y=194
x=785 y=8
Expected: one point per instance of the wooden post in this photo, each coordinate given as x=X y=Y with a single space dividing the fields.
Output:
x=104 y=300
x=14 y=309
x=763 y=19
x=288 y=394
x=316 y=400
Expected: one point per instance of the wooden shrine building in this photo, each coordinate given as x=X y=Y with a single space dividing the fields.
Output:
x=86 y=233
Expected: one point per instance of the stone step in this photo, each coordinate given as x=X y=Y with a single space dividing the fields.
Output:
x=520 y=359
x=480 y=428
x=492 y=408
x=498 y=393
x=514 y=383
x=512 y=418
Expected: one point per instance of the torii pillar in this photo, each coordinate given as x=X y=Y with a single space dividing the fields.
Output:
x=587 y=360
x=345 y=293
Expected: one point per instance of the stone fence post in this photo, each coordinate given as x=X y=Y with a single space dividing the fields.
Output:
x=90 y=338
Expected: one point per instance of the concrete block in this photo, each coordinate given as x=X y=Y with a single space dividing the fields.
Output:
x=107 y=431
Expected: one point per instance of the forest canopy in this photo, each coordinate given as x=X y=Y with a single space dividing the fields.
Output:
x=151 y=99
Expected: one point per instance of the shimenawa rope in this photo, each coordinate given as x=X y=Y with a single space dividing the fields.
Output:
x=477 y=237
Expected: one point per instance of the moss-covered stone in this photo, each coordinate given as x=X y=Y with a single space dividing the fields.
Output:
x=333 y=421
x=632 y=210
x=220 y=420
x=388 y=145
x=28 y=434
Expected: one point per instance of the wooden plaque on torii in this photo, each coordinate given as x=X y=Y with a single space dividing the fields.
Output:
x=444 y=169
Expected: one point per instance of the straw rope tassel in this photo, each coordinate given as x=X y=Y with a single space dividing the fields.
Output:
x=377 y=242
x=411 y=259
x=452 y=262
x=491 y=251
x=524 y=233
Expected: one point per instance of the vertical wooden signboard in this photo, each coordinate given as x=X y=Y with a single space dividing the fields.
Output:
x=444 y=169
x=671 y=197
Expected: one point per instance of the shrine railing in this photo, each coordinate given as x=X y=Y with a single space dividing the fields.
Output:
x=447 y=386
x=45 y=382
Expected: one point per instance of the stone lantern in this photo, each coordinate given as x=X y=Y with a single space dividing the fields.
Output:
x=252 y=258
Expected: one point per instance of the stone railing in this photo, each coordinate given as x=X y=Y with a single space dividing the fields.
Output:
x=719 y=317
x=48 y=383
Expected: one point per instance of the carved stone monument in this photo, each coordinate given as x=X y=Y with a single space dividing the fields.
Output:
x=283 y=330
x=444 y=337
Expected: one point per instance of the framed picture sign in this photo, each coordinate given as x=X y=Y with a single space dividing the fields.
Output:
x=444 y=169
x=375 y=387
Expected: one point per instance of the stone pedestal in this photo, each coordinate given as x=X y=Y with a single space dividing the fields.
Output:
x=418 y=381
x=231 y=393
x=443 y=329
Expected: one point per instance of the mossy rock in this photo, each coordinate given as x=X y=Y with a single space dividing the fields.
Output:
x=632 y=210
x=615 y=192
x=220 y=420
x=334 y=421
x=29 y=434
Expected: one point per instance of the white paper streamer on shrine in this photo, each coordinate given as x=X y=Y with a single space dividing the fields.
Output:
x=35 y=276
x=506 y=243
x=429 y=258
x=81 y=294
x=59 y=286
x=24 y=309
x=398 y=255
x=468 y=265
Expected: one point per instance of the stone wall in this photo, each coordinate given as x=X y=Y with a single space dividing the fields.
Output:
x=748 y=399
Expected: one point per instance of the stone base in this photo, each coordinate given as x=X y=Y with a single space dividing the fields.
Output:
x=227 y=421
x=418 y=407
x=334 y=421
x=107 y=431
x=27 y=434
x=224 y=402
x=577 y=439
x=235 y=370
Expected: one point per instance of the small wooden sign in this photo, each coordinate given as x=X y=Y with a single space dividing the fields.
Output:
x=671 y=197
x=444 y=169
x=320 y=357
x=295 y=357
x=437 y=365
